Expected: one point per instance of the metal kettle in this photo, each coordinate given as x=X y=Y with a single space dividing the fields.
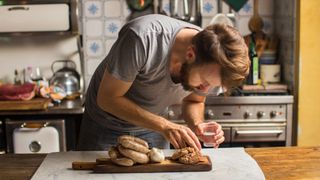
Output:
x=67 y=77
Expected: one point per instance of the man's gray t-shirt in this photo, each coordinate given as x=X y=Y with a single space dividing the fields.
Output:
x=140 y=55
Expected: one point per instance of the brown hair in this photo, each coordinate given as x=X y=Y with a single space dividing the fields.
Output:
x=223 y=44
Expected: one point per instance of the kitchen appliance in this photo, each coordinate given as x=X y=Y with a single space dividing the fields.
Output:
x=249 y=121
x=43 y=136
x=67 y=77
x=39 y=16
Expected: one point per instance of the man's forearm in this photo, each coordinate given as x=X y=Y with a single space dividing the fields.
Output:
x=127 y=110
x=193 y=113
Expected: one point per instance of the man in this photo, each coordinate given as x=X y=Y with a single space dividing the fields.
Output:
x=158 y=61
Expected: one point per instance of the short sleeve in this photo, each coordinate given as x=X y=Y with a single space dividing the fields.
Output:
x=126 y=57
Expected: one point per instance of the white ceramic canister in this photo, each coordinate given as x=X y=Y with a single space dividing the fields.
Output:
x=270 y=73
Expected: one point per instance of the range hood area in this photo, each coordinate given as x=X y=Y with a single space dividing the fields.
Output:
x=39 y=16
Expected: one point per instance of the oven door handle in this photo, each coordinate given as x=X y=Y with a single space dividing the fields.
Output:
x=250 y=132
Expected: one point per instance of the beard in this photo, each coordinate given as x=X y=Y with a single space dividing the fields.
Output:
x=184 y=76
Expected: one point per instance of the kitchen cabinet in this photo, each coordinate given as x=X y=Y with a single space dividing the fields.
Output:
x=69 y=110
x=34 y=18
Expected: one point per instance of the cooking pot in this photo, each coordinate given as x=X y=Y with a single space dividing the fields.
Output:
x=67 y=77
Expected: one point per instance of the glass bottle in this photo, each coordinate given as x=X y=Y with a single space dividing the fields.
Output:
x=253 y=76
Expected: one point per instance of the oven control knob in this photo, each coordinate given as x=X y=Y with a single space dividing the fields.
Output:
x=210 y=114
x=273 y=114
x=261 y=114
x=247 y=115
x=171 y=114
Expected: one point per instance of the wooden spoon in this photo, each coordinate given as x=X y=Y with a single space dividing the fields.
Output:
x=256 y=22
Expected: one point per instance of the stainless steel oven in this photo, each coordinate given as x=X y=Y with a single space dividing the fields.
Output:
x=249 y=121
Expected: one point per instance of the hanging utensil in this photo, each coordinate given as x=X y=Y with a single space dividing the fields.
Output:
x=192 y=11
x=256 y=22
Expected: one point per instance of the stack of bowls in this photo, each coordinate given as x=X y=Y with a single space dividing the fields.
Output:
x=268 y=57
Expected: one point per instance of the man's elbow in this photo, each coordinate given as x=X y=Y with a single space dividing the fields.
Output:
x=103 y=102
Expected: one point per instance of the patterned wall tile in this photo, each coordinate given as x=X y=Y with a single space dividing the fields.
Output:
x=112 y=27
x=209 y=8
x=247 y=9
x=92 y=65
x=166 y=6
x=225 y=8
x=112 y=8
x=126 y=10
x=94 y=48
x=92 y=9
x=243 y=22
x=108 y=44
x=206 y=21
x=94 y=27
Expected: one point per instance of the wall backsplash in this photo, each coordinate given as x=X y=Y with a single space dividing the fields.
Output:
x=19 y=52
x=102 y=20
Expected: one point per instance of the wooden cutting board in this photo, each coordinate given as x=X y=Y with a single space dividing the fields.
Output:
x=33 y=104
x=104 y=165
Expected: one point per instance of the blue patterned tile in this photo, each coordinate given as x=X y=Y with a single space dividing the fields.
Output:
x=247 y=9
x=209 y=8
x=166 y=6
x=94 y=48
x=93 y=9
x=112 y=27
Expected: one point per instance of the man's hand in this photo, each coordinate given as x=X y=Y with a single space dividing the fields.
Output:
x=181 y=136
x=213 y=127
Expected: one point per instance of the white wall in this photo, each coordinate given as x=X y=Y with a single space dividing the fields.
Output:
x=18 y=52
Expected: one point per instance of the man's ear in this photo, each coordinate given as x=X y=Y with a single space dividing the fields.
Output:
x=190 y=54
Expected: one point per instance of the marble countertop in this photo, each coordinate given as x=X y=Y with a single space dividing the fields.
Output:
x=276 y=163
x=228 y=163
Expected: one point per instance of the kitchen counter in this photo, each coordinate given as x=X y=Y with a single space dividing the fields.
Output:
x=288 y=162
x=276 y=163
x=65 y=107
x=70 y=111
